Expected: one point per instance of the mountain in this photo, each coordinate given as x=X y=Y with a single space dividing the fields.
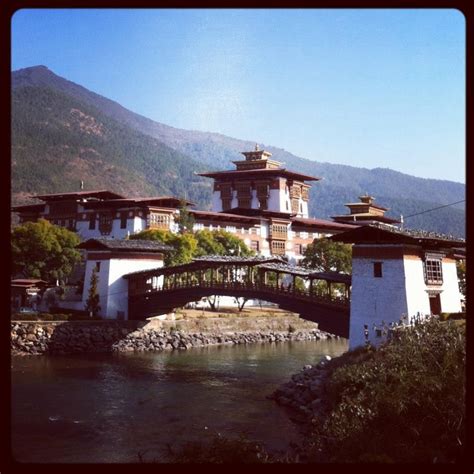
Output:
x=402 y=193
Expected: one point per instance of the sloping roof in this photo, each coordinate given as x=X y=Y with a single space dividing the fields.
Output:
x=205 y=262
x=237 y=260
x=98 y=194
x=307 y=272
x=159 y=201
x=364 y=217
x=27 y=282
x=321 y=223
x=259 y=172
x=135 y=245
x=387 y=234
x=29 y=208
x=223 y=216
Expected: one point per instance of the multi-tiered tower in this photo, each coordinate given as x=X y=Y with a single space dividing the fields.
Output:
x=258 y=182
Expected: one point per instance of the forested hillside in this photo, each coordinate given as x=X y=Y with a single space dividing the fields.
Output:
x=57 y=141
x=131 y=153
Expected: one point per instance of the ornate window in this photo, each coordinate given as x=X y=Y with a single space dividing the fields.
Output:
x=279 y=231
x=244 y=203
x=278 y=247
x=159 y=221
x=105 y=224
x=226 y=204
x=433 y=271
x=294 y=206
x=255 y=245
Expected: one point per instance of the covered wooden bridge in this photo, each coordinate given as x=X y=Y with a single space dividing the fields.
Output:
x=159 y=291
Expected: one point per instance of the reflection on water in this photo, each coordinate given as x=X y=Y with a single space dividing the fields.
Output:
x=111 y=407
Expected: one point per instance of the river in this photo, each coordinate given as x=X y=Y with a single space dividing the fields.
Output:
x=105 y=408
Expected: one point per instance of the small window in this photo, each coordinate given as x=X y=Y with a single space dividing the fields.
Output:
x=92 y=222
x=123 y=221
x=254 y=245
x=97 y=267
x=378 y=269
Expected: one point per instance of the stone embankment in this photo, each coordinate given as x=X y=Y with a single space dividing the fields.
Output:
x=127 y=336
x=305 y=392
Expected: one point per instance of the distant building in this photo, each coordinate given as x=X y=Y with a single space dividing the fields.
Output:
x=260 y=202
x=266 y=205
x=102 y=213
x=397 y=273
x=26 y=292
x=365 y=212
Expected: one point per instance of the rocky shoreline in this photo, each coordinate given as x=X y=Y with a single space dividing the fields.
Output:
x=29 y=338
x=304 y=394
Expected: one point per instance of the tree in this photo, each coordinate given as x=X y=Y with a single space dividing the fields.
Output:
x=196 y=244
x=325 y=255
x=93 y=299
x=43 y=250
x=461 y=270
x=185 y=220
x=231 y=244
x=184 y=245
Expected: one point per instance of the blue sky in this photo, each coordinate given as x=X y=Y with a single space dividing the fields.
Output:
x=369 y=88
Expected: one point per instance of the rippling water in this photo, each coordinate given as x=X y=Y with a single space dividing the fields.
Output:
x=115 y=407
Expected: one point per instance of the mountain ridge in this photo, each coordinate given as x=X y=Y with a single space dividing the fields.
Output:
x=213 y=151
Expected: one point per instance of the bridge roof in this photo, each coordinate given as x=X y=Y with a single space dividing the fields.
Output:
x=203 y=263
x=307 y=272
x=135 y=245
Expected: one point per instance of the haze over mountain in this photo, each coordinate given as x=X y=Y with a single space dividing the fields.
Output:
x=64 y=133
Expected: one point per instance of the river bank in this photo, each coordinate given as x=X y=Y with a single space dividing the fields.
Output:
x=70 y=337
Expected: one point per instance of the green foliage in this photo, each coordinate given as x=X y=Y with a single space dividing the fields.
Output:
x=404 y=402
x=461 y=271
x=43 y=250
x=24 y=316
x=189 y=245
x=325 y=255
x=452 y=316
x=140 y=153
x=93 y=298
x=185 y=220
x=58 y=140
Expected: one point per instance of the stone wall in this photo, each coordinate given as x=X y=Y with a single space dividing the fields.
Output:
x=107 y=336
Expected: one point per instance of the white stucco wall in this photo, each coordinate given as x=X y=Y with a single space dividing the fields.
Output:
x=450 y=296
x=112 y=288
x=417 y=297
x=216 y=202
x=133 y=225
x=118 y=287
x=374 y=300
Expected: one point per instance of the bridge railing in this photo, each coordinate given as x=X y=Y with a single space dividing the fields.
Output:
x=297 y=293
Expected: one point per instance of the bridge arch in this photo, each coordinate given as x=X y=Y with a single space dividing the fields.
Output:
x=161 y=290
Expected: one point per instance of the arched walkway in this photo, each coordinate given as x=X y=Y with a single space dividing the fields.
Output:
x=161 y=290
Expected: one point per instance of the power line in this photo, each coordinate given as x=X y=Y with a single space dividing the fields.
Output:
x=434 y=209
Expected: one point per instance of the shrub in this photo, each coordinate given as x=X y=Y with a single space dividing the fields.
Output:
x=61 y=317
x=448 y=316
x=46 y=317
x=403 y=402
x=24 y=317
